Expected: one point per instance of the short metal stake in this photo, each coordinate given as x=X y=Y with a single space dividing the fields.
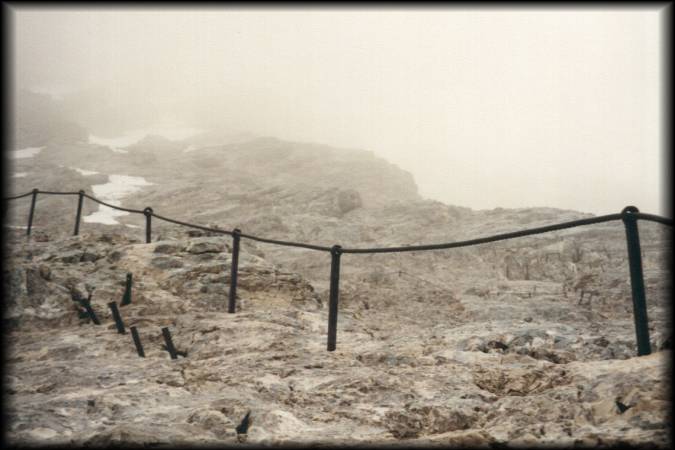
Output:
x=117 y=317
x=92 y=315
x=126 y=298
x=137 y=342
x=169 y=343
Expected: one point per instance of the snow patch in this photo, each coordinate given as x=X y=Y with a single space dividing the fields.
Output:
x=28 y=152
x=129 y=138
x=117 y=188
x=84 y=172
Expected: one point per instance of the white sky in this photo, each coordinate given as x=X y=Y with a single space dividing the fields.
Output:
x=486 y=108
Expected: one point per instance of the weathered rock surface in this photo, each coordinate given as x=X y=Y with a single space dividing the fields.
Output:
x=447 y=367
x=529 y=341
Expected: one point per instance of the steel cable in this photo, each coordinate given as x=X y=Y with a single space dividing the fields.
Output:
x=286 y=243
x=186 y=224
x=654 y=218
x=18 y=196
x=400 y=249
x=57 y=193
x=113 y=206
x=497 y=237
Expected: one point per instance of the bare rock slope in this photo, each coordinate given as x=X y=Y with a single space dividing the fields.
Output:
x=527 y=341
x=447 y=367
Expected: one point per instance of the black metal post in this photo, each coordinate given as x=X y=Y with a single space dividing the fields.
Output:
x=80 y=200
x=137 y=342
x=126 y=298
x=169 y=343
x=148 y=224
x=335 y=252
x=90 y=312
x=233 y=270
x=32 y=212
x=117 y=317
x=637 y=282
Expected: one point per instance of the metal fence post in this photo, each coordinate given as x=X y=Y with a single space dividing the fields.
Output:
x=234 y=267
x=32 y=211
x=126 y=298
x=148 y=224
x=335 y=252
x=137 y=342
x=637 y=282
x=169 y=343
x=80 y=200
x=90 y=311
x=117 y=317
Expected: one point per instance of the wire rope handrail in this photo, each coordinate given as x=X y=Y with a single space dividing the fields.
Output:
x=191 y=225
x=286 y=243
x=629 y=215
x=129 y=210
x=484 y=240
x=397 y=249
x=17 y=196
x=58 y=193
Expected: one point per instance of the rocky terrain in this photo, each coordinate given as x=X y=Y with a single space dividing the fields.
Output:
x=529 y=341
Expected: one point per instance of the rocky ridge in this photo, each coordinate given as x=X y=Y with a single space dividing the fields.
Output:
x=469 y=368
x=526 y=341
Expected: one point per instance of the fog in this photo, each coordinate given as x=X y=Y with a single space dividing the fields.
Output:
x=486 y=108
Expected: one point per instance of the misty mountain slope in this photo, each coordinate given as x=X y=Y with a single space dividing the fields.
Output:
x=494 y=336
x=39 y=120
x=295 y=191
x=231 y=118
x=417 y=362
x=317 y=194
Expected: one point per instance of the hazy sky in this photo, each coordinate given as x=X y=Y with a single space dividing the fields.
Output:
x=486 y=108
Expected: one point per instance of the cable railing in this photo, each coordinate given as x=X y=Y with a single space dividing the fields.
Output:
x=629 y=216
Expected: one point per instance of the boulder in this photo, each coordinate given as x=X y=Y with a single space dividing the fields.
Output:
x=169 y=247
x=166 y=262
x=88 y=256
x=348 y=200
x=206 y=245
x=71 y=257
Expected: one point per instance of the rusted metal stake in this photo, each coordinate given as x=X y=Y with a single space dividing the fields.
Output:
x=232 y=304
x=90 y=312
x=637 y=282
x=32 y=212
x=335 y=252
x=126 y=298
x=80 y=200
x=169 y=343
x=148 y=224
x=137 y=342
x=117 y=317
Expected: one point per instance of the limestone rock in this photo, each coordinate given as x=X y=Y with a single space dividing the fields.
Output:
x=206 y=245
x=348 y=200
x=166 y=262
x=529 y=341
x=168 y=247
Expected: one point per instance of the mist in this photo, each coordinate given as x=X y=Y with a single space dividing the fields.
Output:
x=486 y=108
